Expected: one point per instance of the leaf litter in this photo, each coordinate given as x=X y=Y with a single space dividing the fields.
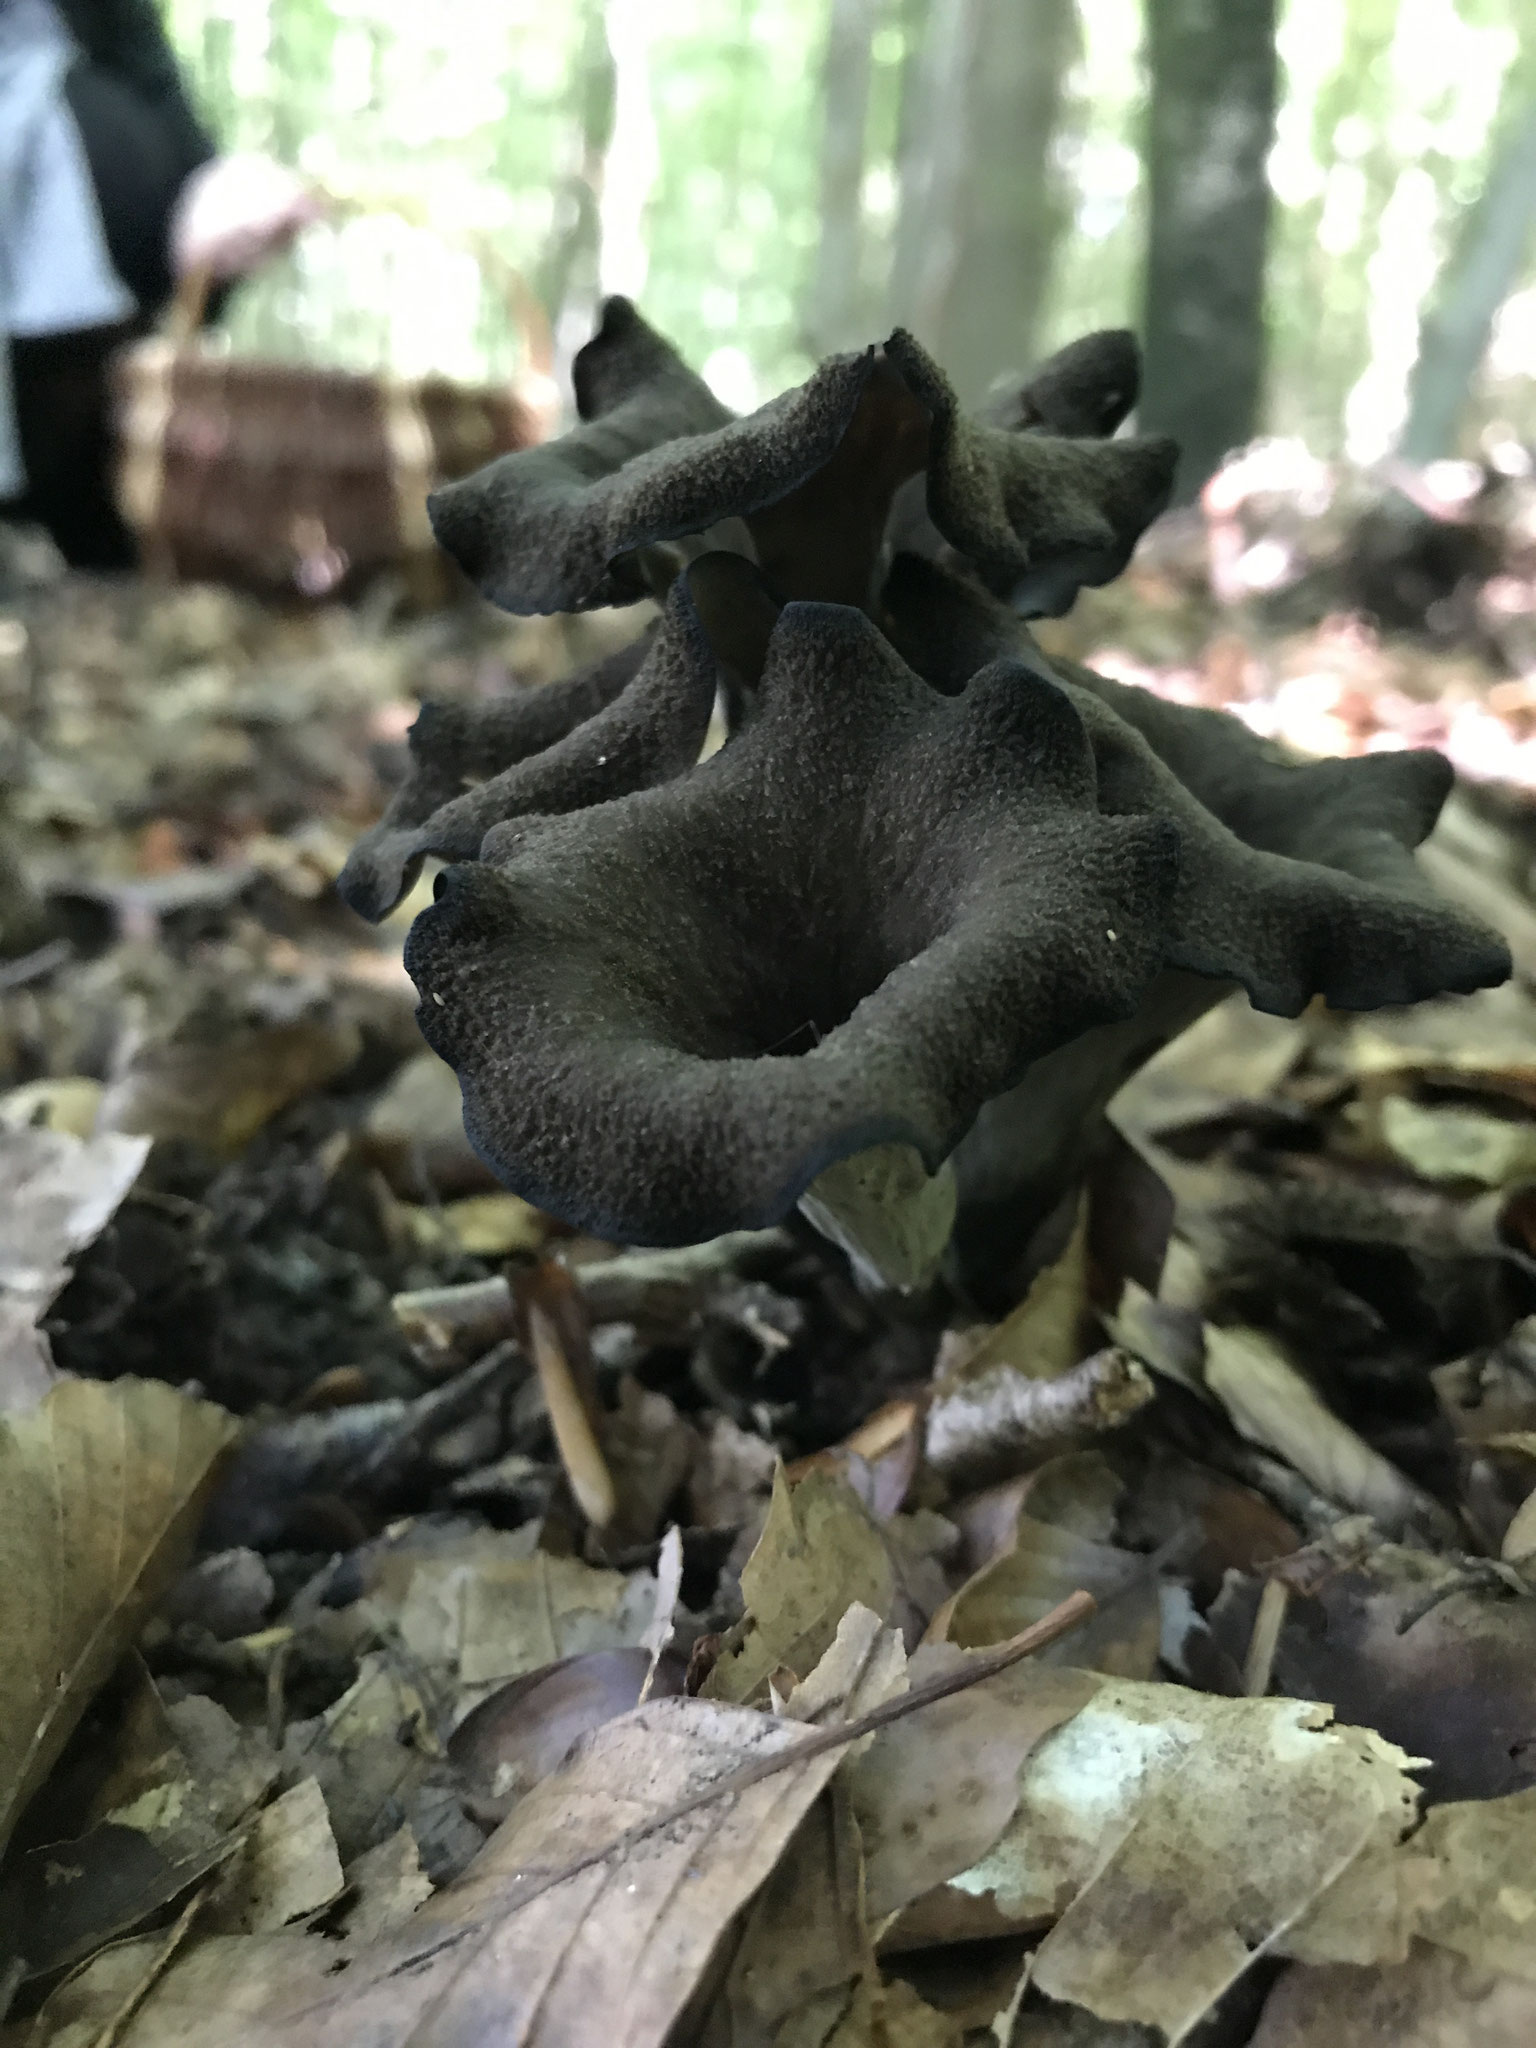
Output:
x=416 y=1613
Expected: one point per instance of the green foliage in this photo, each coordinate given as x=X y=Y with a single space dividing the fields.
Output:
x=494 y=120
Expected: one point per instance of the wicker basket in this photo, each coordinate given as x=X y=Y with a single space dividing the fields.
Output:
x=289 y=479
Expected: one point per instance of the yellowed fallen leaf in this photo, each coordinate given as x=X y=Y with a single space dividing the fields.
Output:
x=1433 y=2000
x=288 y=1870
x=1274 y=1405
x=819 y=1553
x=216 y=1080
x=1444 y=1144
x=486 y=1226
x=887 y=1212
x=1048 y=1331
x=101 y=1491
x=1169 y=1834
x=65 y=1103
x=1465 y=1881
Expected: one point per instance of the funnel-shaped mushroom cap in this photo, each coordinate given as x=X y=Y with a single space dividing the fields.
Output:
x=473 y=766
x=864 y=917
x=812 y=474
x=1296 y=878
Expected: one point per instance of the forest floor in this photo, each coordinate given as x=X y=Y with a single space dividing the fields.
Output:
x=424 y=1624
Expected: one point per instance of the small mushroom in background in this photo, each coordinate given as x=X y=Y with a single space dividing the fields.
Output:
x=935 y=894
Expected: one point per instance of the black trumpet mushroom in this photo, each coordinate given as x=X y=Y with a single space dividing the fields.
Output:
x=934 y=890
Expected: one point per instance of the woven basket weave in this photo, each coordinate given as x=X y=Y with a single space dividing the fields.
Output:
x=285 y=478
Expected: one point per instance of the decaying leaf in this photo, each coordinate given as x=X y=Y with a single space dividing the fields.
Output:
x=101 y=1488
x=1275 y=1405
x=934 y=1793
x=1433 y=2000
x=891 y=1216
x=288 y=1869
x=217 y=1078
x=57 y=1193
x=385 y=1885
x=1170 y=1835
x=1444 y=1144
x=517 y=1952
x=1433 y=1657
x=819 y=1553
x=1465 y=1881
x=1040 y=1566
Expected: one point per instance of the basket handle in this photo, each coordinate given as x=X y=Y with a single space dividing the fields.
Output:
x=189 y=302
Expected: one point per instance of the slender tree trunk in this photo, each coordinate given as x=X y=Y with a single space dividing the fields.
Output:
x=1210 y=130
x=633 y=152
x=982 y=207
x=1484 y=265
x=566 y=278
x=834 y=315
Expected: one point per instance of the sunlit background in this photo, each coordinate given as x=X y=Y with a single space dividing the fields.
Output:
x=673 y=152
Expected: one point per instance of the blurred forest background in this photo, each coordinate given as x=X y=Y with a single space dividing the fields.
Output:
x=1316 y=215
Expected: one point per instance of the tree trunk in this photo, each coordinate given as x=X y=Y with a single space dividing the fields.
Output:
x=1210 y=129
x=982 y=207
x=566 y=278
x=834 y=317
x=1484 y=265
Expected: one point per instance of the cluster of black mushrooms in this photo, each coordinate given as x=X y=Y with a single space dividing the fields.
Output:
x=935 y=890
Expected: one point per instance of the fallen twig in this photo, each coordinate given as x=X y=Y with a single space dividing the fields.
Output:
x=982 y=1422
x=661 y=1291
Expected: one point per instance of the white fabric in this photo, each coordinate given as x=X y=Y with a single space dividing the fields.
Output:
x=55 y=273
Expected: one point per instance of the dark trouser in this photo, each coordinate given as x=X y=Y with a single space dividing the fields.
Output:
x=63 y=407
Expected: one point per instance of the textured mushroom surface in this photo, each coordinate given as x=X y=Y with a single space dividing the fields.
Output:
x=653 y=728
x=812 y=474
x=852 y=926
x=1296 y=879
x=928 y=872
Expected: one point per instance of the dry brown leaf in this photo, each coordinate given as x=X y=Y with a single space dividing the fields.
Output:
x=288 y=1870
x=1039 y=1568
x=934 y=1793
x=57 y=1193
x=101 y=1489
x=1277 y=1407
x=485 y=1613
x=1433 y=2000
x=612 y=1954
x=1402 y=1639
x=803 y=1945
x=1466 y=1881
x=1445 y=1144
x=650 y=1451
x=216 y=1081
x=1049 y=1330
x=820 y=1553
x=891 y=2015
x=887 y=1212
x=385 y=1885
x=1184 y=1832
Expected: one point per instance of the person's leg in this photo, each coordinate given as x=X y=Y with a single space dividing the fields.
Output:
x=63 y=415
